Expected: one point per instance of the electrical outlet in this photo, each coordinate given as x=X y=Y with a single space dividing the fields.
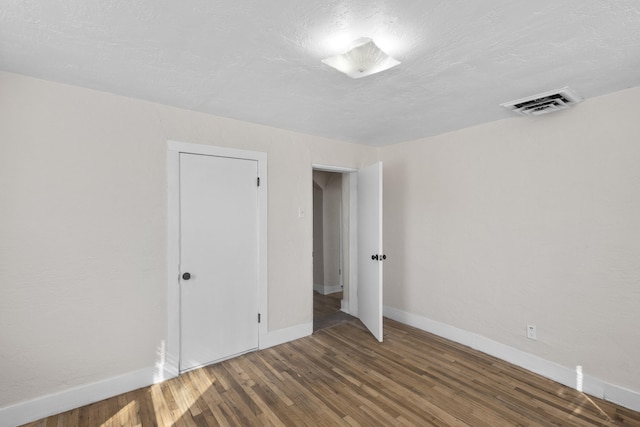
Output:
x=531 y=332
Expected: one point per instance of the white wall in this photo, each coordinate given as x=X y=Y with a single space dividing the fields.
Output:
x=327 y=232
x=83 y=229
x=332 y=199
x=487 y=229
x=525 y=221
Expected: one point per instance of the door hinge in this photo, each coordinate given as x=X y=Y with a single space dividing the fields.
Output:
x=259 y=317
x=258 y=181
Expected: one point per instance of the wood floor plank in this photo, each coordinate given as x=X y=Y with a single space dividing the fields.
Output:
x=248 y=385
x=146 y=411
x=343 y=376
x=161 y=409
x=209 y=397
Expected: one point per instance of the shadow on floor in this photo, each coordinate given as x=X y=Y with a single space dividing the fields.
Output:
x=326 y=311
x=331 y=320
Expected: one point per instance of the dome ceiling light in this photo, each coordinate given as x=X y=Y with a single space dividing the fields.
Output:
x=364 y=59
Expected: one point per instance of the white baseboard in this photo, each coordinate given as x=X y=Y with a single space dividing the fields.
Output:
x=562 y=374
x=24 y=412
x=332 y=289
x=326 y=290
x=282 y=336
x=45 y=406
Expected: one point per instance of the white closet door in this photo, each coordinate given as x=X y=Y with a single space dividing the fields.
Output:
x=219 y=287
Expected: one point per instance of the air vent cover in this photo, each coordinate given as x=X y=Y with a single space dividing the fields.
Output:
x=544 y=103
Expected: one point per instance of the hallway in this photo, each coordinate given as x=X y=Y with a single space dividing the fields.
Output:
x=326 y=311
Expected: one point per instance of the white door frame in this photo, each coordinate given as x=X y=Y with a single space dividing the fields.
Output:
x=352 y=299
x=168 y=367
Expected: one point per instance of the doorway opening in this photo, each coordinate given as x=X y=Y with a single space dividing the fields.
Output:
x=361 y=242
x=330 y=248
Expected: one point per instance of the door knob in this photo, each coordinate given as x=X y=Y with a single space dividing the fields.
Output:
x=186 y=276
x=384 y=257
x=374 y=257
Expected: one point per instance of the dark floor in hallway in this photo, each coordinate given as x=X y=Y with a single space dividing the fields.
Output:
x=326 y=311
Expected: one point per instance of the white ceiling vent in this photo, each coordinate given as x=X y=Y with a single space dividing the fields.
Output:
x=544 y=103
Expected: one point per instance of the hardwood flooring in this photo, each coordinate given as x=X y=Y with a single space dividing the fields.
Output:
x=326 y=311
x=325 y=304
x=342 y=376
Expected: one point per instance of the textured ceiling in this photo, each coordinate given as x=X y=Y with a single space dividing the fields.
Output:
x=259 y=61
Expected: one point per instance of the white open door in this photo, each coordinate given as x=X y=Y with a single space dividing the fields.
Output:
x=370 y=254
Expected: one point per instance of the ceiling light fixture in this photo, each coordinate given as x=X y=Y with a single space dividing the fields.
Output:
x=364 y=59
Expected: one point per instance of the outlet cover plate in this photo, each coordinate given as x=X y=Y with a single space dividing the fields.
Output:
x=531 y=332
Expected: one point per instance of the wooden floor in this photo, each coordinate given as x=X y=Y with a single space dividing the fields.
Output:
x=326 y=311
x=324 y=305
x=343 y=376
